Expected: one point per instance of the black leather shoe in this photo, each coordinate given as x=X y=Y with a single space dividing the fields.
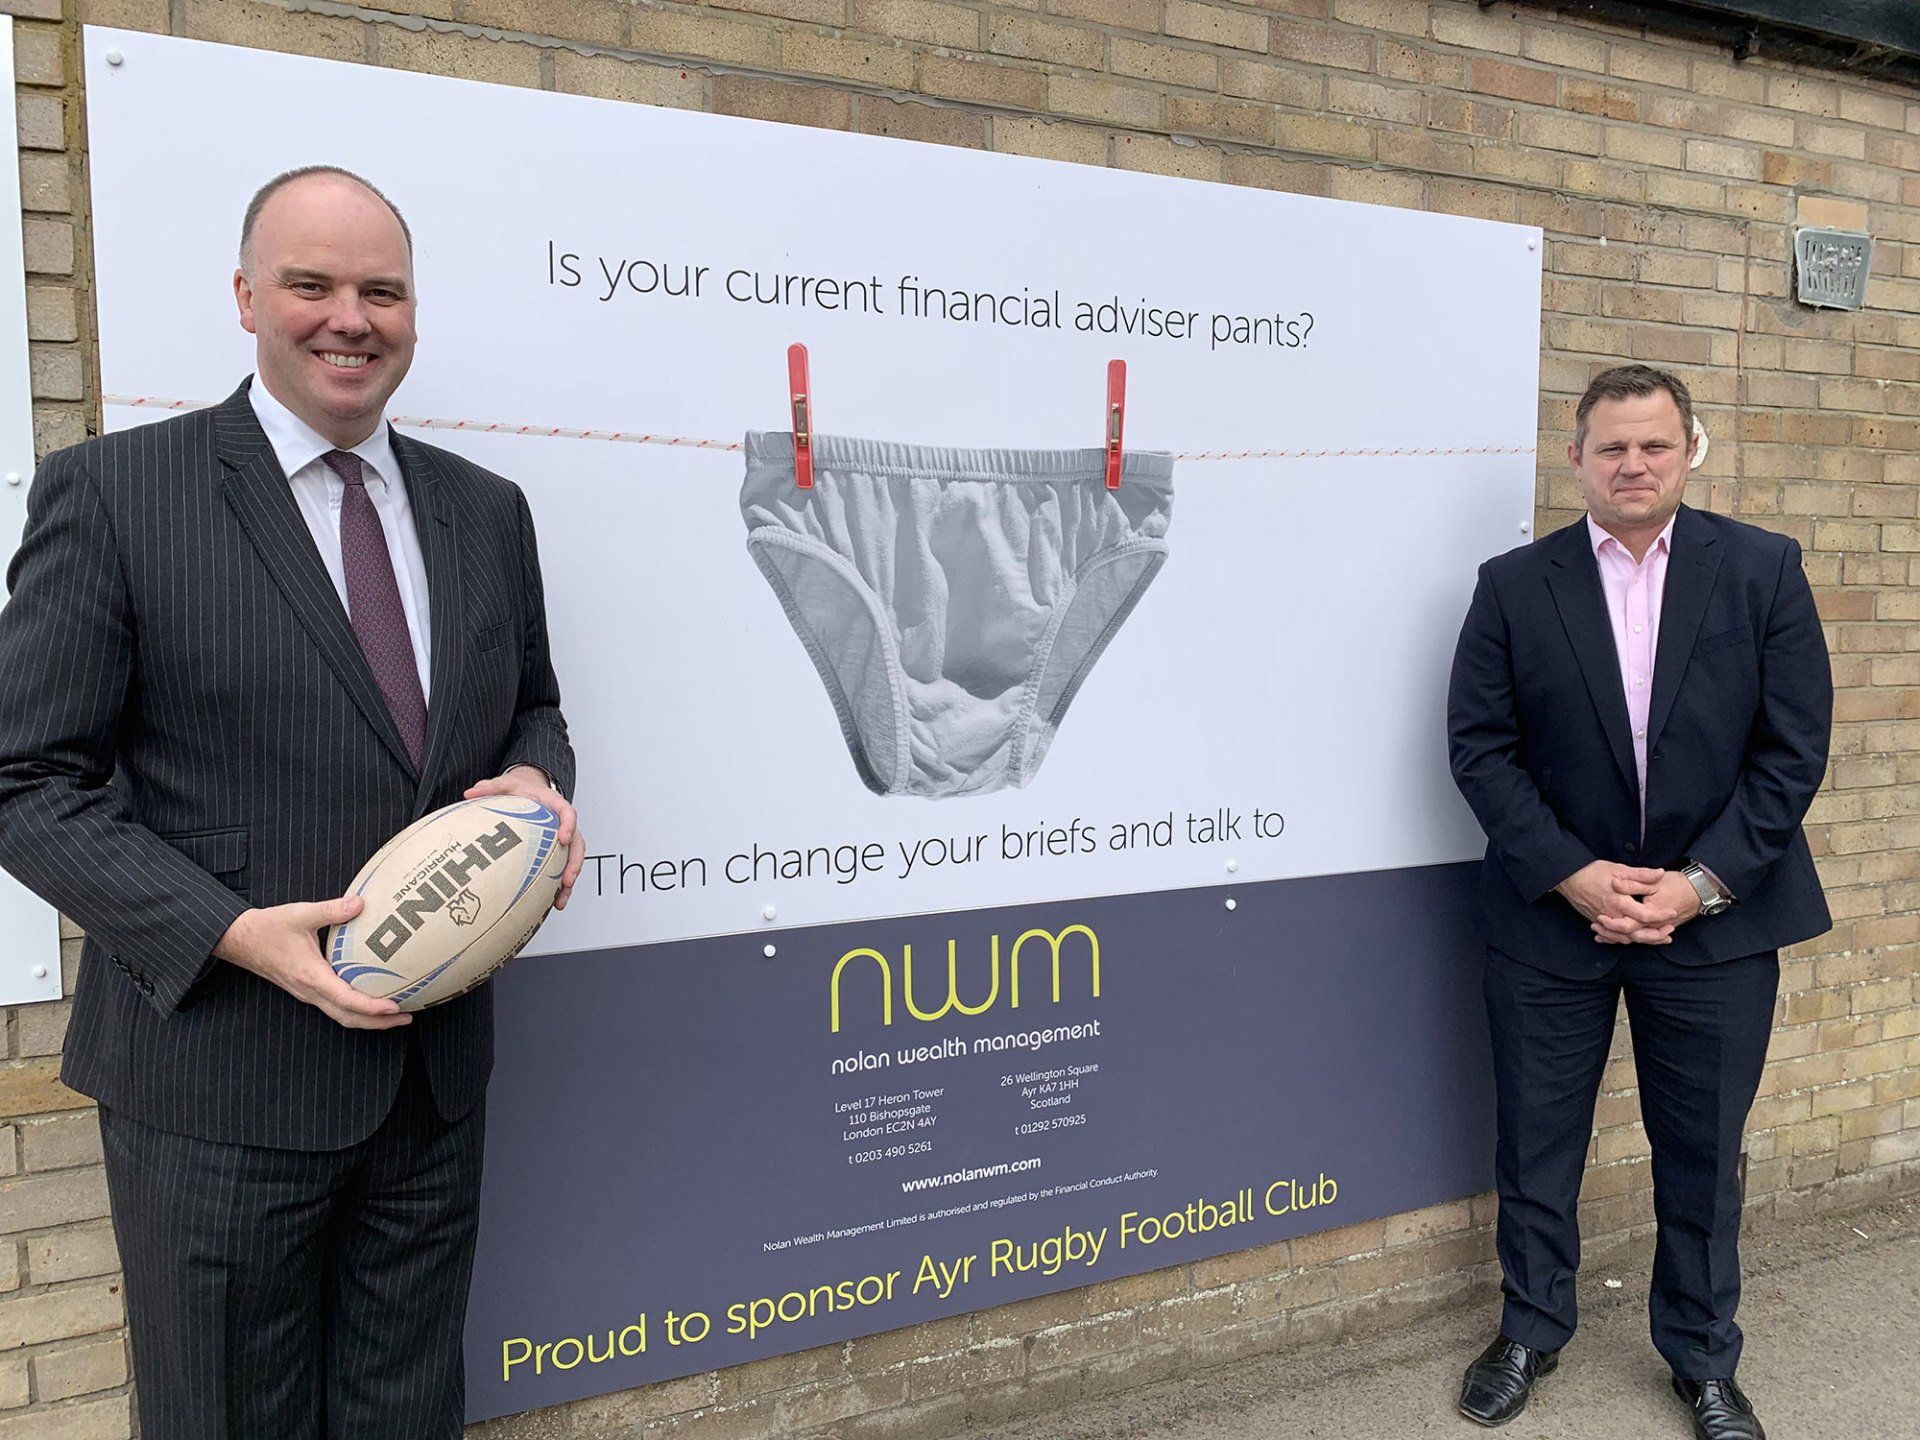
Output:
x=1497 y=1385
x=1720 y=1410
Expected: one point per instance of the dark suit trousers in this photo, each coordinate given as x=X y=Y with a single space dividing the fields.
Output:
x=1699 y=1040
x=299 y=1295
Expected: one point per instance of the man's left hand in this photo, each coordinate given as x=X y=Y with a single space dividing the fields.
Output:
x=1652 y=917
x=527 y=781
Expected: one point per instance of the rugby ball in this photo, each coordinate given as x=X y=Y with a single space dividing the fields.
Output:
x=450 y=899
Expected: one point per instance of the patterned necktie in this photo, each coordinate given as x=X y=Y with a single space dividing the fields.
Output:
x=373 y=604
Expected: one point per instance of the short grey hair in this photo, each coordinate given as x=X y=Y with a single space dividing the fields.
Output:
x=285 y=178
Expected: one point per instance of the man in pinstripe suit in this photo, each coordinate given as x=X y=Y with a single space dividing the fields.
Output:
x=244 y=647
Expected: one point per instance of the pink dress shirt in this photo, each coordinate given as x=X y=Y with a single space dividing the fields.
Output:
x=1633 y=592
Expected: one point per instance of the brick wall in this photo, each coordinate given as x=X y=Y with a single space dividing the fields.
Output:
x=1667 y=178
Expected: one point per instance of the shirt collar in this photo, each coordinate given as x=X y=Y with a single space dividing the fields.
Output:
x=1599 y=538
x=297 y=444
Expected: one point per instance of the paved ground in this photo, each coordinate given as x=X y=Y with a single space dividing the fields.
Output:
x=1831 y=1311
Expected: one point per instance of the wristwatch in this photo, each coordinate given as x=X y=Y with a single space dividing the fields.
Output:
x=1712 y=898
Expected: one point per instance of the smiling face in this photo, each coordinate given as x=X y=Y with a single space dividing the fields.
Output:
x=326 y=288
x=1633 y=468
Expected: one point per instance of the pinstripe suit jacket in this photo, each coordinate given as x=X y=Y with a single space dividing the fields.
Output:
x=188 y=727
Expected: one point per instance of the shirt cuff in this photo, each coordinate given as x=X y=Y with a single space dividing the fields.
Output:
x=1719 y=885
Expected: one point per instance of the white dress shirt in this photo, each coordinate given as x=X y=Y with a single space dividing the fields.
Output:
x=319 y=492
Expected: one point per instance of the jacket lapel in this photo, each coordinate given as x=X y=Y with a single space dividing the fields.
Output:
x=437 y=523
x=1573 y=576
x=260 y=497
x=1692 y=564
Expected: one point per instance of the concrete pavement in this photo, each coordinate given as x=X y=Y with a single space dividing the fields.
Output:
x=1831 y=1310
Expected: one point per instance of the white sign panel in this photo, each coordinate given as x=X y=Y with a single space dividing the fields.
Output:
x=29 y=929
x=862 y=712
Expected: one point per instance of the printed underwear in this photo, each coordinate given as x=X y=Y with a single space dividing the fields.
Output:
x=953 y=600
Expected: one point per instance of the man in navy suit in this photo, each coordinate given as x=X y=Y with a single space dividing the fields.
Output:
x=1638 y=716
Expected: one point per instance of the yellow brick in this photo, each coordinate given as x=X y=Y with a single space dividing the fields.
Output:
x=1417 y=150
x=1316 y=45
x=1104 y=100
x=443 y=52
x=1841 y=140
x=813 y=12
x=925 y=21
x=1713 y=158
x=863 y=61
x=81 y=1369
x=1646 y=147
x=1167 y=64
x=1865 y=107
x=1683 y=191
x=597 y=22
x=1050 y=140
x=1378 y=102
x=1030 y=39
x=41 y=121
x=1141 y=15
x=1566 y=48
x=1649 y=64
x=1409 y=17
x=153 y=16
x=51 y=315
x=1477 y=29
x=1827 y=213
x=1418 y=64
x=1557 y=132
x=674 y=32
x=1727 y=81
x=1379 y=187
x=49 y=246
x=1218 y=25
x=38 y=58
x=982 y=81
x=62 y=1314
x=1314 y=135
x=1512 y=162
x=931 y=124
x=1610 y=182
x=1277 y=84
x=612 y=78
x=762 y=99
x=1219 y=119
x=104 y=1419
x=1162 y=156
x=268 y=27
x=1801 y=92
x=32 y=1087
x=1270 y=172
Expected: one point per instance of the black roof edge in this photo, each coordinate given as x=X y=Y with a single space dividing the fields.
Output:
x=1877 y=38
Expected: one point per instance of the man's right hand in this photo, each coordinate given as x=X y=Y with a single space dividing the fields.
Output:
x=281 y=943
x=1611 y=896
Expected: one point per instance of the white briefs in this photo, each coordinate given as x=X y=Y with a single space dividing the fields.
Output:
x=953 y=600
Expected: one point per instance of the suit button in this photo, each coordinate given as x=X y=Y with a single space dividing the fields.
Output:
x=1632 y=848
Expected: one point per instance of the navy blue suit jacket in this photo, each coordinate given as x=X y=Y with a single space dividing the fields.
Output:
x=1741 y=711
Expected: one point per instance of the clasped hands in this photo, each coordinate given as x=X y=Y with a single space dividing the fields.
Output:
x=1630 y=905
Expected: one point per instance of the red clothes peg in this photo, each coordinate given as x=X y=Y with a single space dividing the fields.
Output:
x=1116 y=418
x=799 y=397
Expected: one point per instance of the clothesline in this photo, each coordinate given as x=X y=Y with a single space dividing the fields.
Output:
x=684 y=442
